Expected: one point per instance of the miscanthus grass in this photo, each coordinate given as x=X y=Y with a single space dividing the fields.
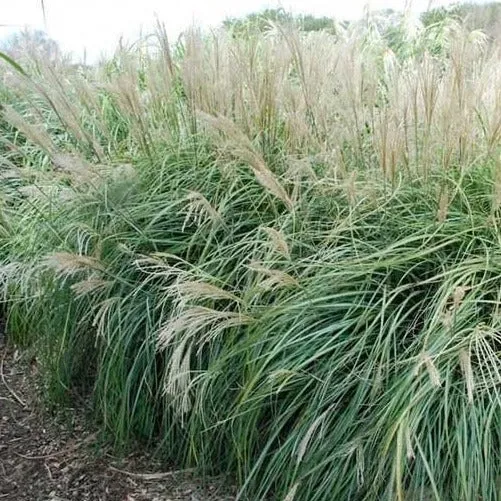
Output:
x=273 y=256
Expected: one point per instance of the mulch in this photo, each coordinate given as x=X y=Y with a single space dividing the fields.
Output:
x=46 y=458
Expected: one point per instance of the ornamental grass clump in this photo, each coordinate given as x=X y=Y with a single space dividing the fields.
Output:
x=275 y=256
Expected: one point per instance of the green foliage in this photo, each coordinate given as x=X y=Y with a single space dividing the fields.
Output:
x=307 y=22
x=12 y=63
x=275 y=257
x=260 y=22
x=439 y=15
x=257 y=21
x=485 y=16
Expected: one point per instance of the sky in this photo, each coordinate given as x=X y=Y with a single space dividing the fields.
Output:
x=95 y=26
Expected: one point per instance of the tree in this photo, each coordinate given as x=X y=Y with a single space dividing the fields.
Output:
x=313 y=23
x=439 y=15
x=33 y=44
x=486 y=17
x=260 y=22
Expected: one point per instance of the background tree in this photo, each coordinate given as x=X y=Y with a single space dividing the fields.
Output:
x=485 y=17
x=260 y=22
x=31 y=43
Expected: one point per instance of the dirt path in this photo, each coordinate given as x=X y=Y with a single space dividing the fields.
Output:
x=43 y=460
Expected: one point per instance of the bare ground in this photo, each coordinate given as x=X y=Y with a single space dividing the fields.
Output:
x=46 y=459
